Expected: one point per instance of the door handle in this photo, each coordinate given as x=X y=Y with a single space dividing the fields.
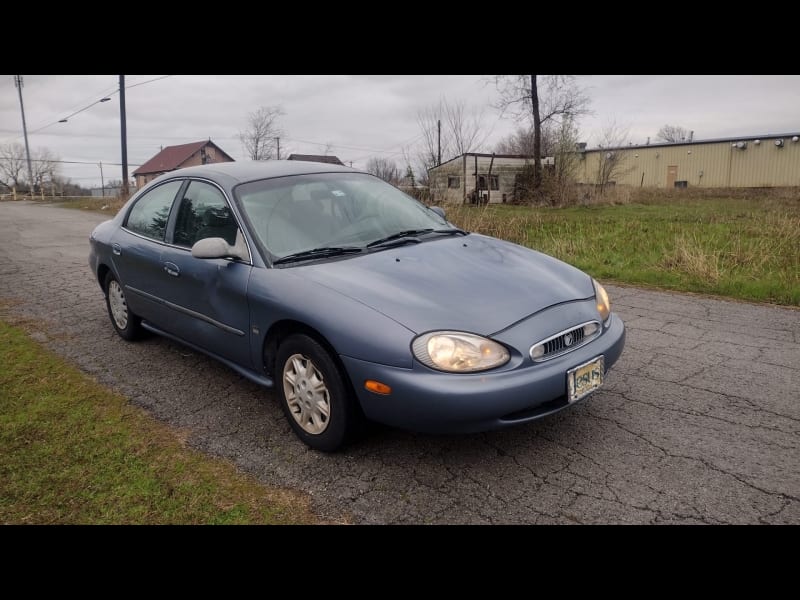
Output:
x=172 y=269
x=116 y=249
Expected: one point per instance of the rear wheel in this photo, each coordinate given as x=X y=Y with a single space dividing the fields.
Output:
x=314 y=394
x=127 y=324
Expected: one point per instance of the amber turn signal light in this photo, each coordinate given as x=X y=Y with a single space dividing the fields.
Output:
x=377 y=387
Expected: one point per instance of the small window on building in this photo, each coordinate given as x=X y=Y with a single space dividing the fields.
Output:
x=454 y=182
x=494 y=181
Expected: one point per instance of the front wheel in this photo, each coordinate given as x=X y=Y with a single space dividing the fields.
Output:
x=314 y=394
x=124 y=321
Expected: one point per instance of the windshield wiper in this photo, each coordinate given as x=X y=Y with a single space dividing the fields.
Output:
x=408 y=236
x=408 y=233
x=323 y=252
x=452 y=230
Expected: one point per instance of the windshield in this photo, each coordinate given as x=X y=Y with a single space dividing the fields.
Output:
x=295 y=214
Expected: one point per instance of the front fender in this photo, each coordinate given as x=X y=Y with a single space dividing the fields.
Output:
x=352 y=328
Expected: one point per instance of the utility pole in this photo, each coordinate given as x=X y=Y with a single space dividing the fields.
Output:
x=439 y=123
x=123 y=135
x=277 y=139
x=102 y=181
x=18 y=84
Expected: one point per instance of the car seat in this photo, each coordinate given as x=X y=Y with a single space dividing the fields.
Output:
x=218 y=222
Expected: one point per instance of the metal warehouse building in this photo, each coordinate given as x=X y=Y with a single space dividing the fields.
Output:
x=771 y=160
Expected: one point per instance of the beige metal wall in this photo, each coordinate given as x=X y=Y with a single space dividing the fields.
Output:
x=717 y=164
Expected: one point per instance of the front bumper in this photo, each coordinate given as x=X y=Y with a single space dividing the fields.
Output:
x=429 y=401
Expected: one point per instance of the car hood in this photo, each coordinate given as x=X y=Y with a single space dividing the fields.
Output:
x=471 y=283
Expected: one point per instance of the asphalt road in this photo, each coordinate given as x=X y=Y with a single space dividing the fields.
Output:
x=699 y=422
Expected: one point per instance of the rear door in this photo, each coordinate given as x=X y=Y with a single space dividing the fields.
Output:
x=207 y=297
x=136 y=250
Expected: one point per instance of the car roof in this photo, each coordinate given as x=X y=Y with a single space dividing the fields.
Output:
x=244 y=171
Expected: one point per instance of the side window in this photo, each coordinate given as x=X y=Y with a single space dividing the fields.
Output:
x=150 y=214
x=203 y=214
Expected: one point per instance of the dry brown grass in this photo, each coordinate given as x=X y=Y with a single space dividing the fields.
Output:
x=109 y=206
x=689 y=255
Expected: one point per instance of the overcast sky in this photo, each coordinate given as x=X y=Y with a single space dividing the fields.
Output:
x=361 y=115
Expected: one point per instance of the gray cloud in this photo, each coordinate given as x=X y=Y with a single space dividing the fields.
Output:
x=359 y=114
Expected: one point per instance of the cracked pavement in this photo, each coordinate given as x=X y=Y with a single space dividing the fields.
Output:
x=698 y=423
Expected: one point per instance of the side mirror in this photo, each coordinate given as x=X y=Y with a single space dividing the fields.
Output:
x=216 y=247
x=439 y=211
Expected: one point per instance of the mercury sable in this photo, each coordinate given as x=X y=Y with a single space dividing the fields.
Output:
x=353 y=300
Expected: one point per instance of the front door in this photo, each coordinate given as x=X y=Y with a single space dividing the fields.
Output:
x=672 y=175
x=207 y=297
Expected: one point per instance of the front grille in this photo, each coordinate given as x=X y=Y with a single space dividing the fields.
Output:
x=565 y=341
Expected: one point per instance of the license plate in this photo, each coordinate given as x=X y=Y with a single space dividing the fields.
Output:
x=584 y=379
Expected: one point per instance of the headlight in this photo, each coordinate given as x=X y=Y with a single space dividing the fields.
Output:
x=458 y=352
x=603 y=303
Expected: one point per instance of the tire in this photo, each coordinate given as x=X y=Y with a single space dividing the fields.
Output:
x=125 y=322
x=309 y=382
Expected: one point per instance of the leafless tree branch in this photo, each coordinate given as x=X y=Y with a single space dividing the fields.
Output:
x=613 y=158
x=672 y=133
x=385 y=168
x=541 y=99
x=12 y=164
x=258 y=140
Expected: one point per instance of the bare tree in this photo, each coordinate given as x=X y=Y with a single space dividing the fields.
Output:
x=566 y=157
x=385 y=168
x=44 y=165
x=12 y=164
x=672 y=133
x=428 y=120
x=612 y=157
x=327 y=149
x=462 y=131
x=259 y=139
x=559 y=97
x=520 y=141
x=465 y=129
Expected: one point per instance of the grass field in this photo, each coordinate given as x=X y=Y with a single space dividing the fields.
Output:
x=73 y=452
x=740 y=247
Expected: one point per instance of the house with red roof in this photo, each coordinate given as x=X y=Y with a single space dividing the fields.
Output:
x=177 y=157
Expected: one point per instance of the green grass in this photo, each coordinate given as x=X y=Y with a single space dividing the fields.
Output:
x=71 y=451
x=745 y=248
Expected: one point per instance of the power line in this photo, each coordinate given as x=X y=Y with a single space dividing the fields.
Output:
x=346 y=147
x=127 y=87
x=115 y=91
x=82 y=162
x=105 y=99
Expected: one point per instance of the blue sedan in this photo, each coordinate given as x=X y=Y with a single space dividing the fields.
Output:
x=353 y=300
